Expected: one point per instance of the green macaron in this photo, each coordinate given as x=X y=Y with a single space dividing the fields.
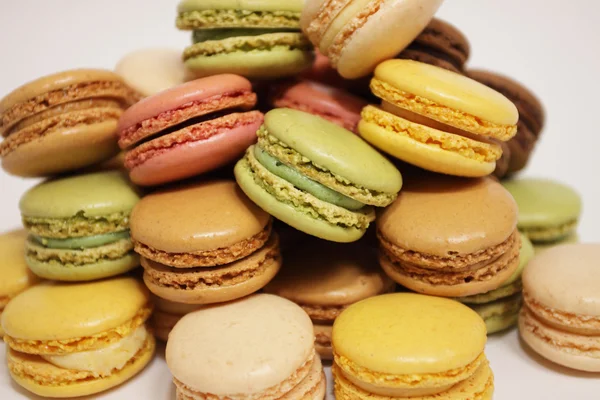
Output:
x=79 y=227
x=548 y=211
x=316 y=176
x=499 y=308
x=252 y=38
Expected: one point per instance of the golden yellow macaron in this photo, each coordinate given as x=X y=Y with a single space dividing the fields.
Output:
x=437 y=119
x=15 y=276
x=406 y=345
x=69 y=340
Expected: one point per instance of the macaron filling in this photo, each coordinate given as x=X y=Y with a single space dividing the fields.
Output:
x=550 y=233
x=305 y=202
x=203 y=35
x=302 y=164
x=300 y=181
x=195 y=19
x=103 y=361
x=83 y=242
x=79 y=225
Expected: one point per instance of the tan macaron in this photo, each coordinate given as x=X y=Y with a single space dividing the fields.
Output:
x=451 y=237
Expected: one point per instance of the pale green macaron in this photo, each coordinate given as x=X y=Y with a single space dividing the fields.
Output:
x=548 y=210
x=79 y=227
x=499 y=308
x=316 y=176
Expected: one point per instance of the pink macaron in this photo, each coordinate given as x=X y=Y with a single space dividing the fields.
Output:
x=325 y=101
x=189 y=129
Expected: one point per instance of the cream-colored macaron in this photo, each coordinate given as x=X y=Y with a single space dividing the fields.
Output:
x=257 y=347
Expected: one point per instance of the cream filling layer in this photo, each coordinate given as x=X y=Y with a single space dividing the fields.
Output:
x=105 y=360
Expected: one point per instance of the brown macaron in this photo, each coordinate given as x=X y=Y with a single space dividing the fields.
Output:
x=166 y=314
x=204 y=243
x=324 y=278
x=531 y=117
x=451 y=237
x=440 y=44
x=62 y=122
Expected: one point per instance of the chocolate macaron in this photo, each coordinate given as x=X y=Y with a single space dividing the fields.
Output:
x=440 y=44
x=450 y=237
x=204 y=243
x=324 y=278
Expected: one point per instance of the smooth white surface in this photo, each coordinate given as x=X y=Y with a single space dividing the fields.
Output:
x=548 y=44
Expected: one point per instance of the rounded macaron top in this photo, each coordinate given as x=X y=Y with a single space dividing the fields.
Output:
x=242 y=347
x=445 y=37
x=448 y=89
x=334 y=148
x=441 y=216
x=245 y=5
x=73 y=310
x=406 y=333
x=196 y=217
x=54 y=82
x=90 y=195
x=544 y=202
x=324 y=273
x=15 y=274
x=198 y=90
x=566 y=278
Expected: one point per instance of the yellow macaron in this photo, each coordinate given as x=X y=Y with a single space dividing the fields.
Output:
x=87 y=337
x=437 y=119
x=16 y=277
x=406 y=345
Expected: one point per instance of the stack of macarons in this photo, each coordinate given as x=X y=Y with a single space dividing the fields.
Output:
x=252 y=38
x=204 y=242
x=324 y=278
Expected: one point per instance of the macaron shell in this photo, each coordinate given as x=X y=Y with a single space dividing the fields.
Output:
x=196 y=217
x=86 y=272
x=329 y=274
x=91 y=195
x=439 y=215
x=150 y=71
x=429 y=157
x=334 y=148
x=552 y=276
x=324 y=351
x=84 y=388
x=66 y=311
x=246 y=5
x=193 y=158
x=289 y=215
x=542 y=246
x=405 y=333
x=85 y=144
x=273 y=63
x=272 y=340
x=448 y=89
x=16 y=277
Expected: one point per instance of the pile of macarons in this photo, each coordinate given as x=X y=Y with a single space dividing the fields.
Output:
x=294 y=189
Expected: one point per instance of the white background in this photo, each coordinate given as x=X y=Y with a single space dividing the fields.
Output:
x=551 y=45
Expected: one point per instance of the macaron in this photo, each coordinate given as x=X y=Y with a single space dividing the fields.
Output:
x=316 y=176
x=152 y=70
x=324 y=101
x=531 y=117
x=356 y=35
x=451 y=237
x=252 y=38
x=500 y=308
x=188 y=130
x=79 y=227
x=440 y=44
x=548 y=210
x=204 y=243
x=541 y=246
x=406 y=345
x=437 y=119
x=324 y=278
x=561 y=317
x=166 y=314
x=16 y=277
x=87 y=337
x=268 y=354
x=73 y=112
